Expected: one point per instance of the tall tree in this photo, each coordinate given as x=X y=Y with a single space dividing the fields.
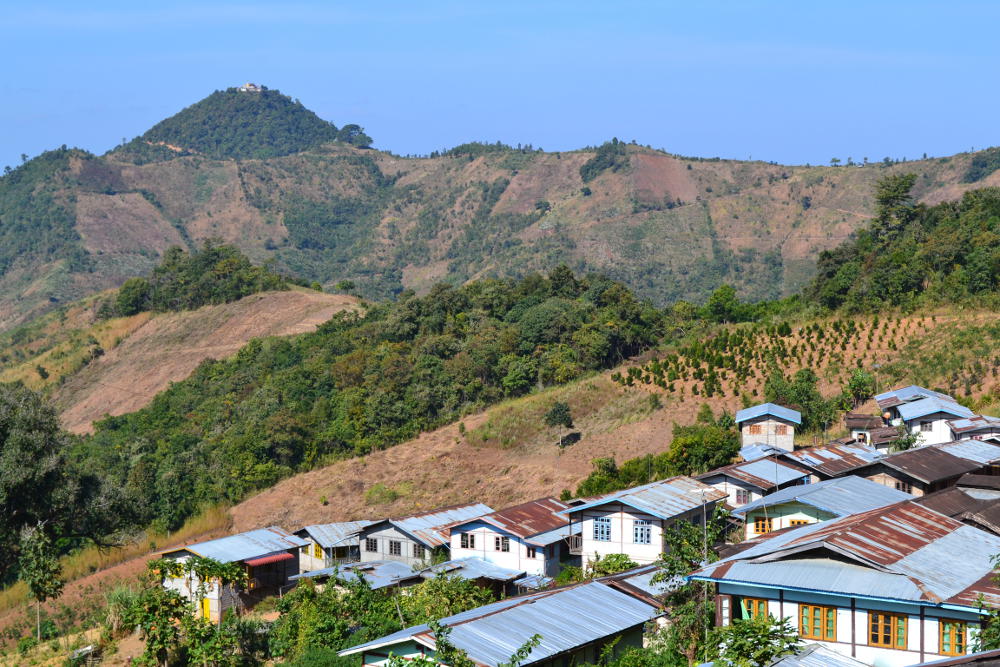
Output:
x=39 y=568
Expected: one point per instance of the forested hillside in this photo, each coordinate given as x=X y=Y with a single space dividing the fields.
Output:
x=265 y=174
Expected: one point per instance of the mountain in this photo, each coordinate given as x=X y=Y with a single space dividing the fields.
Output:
x=259 y=171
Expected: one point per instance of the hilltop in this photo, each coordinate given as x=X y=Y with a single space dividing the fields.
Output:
x=260 y=171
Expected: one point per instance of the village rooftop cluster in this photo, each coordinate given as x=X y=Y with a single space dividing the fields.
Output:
x=877 y=557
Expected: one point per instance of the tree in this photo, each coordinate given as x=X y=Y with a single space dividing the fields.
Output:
x=602 y=566
x=723 y=306
x=39 y=568
x=893 y=202
x=133 y=297
x=754 y=642
x=559 y=415
x=860 y=386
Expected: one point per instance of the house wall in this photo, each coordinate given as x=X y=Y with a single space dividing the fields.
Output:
x=220 y=598
x=546 y=560
x=308 y=561
x=622 y=523
x=940 y=431
x=731 y=486
x=769 y=427
x=888 y=477
x=783 y=515
x=384 y=534
x=922 y=632
x=978 y=434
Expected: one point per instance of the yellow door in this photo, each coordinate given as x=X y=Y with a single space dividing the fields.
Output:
x=206 y=609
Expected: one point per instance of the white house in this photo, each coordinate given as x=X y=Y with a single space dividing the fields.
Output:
x=270 y=556
x=632 y=521
x=329 y=544
x=925 y=413
x=748 y=481
x=975 y=428
x=412 y=539
x=768 y=424
x=885 y=586
x=532 y=537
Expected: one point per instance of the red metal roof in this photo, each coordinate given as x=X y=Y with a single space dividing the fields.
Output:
x=530 y=518
x=269 y=558
x=832 y=460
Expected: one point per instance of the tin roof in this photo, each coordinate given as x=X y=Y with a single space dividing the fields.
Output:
x=471 y=568
x=490 y=635
x=929 y=464
x=664 y=499
x=759 y=450
x=831 y=460
x=861 y=421
x=342 y=534
x=930 y=406
x=817 y=655
x=902 y=395
x=974 y=423
x=839 y=496
x=953 y=502
x=771 y=409
x=251 y=544
x=883 y=435
x=528 y=519
x=534 y=581
x=980 y=451
x=901 y=552
x=972 y=481
x=762 y=473
x=378 y=574
x=431 y=528
x=986 y=658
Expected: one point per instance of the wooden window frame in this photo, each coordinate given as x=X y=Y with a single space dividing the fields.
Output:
x=905 y=487
x=755 y=429
x=961 y=635
x=781 y=429
x=317 y=551
x=419 y=551
x=395 y=547
x=467 y=540
x=765 y=521
x=756 y=607
x=532 y=552
x=882 y=618
x=798 y=522
x=371 y=545
x=807 y=630
x=743 y=496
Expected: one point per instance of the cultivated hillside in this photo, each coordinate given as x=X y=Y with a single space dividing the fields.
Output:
x=260 y=171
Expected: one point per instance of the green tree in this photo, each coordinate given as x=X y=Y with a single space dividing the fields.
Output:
x=559 y=415
x=133 y=297
x=893 y=202
x=602 y=566
x=860 y=386
x=39 y=568
x=753 y=642
x=723 y=305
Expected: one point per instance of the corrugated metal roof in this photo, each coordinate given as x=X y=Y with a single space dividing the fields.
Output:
x=759 y=450
x=979 y=482
x=554 y=535
x=471 y=568
x=974 y=423
x=565 y=618
x=929 y=464
x=762 y=473
x=251 y=544
x=342 y=534
x=527 y=519
x=817 y=655
x=664 y=499
x=534 y=581
x=840 y=496
x=378 y=574
x=986 y=658
x=952 y=502
x=861 y=421
x=642 y=578
x=831 y=460
x=432 y=528
x=980 y=451
x=906 y=394
x=929 y=406
x=772 y=409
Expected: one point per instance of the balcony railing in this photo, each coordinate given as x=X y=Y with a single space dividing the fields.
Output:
x=575 y=543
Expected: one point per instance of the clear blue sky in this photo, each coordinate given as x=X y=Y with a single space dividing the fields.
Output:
x=793 y=82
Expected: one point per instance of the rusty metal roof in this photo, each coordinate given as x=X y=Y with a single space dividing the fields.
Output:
x=974 y=423
x=431 y=528
x=664 y=499
x=859 y=420
x=528 y=519
x=839 y=496
x=762 y=473
x=341 y=534
x=929 y=464
x=833 y=460
x=883 y=435
x=952 y=502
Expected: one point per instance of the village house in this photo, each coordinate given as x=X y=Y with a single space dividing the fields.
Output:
x=920 y=470
x=768 y=424
x=633 y=521
x=269 y=555
x=986 y=487
x=976 y=427
x=329 y=544
x=956 y=503
x=412 y=539
x=985 y=452
x=881 y=587
x=925 y=413
x=501 y=580
x=801 y=505
x=532 y=537
x=861 y=425
x=833 y=460
x=575 y=624
x=745 y=482
x=884 y=439
x=377 y=574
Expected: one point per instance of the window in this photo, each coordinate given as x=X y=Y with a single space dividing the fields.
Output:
x=642 y=531
x=952 y=637
x=317 y=551
x=798 y=522
x=762 y=524
x=532 y=553
x=371 y=545
x=468 y=540
x=926 y=427
x=418 y=551
x=602 y=529
x=754 y=608
x=755 y=429
x=780 y=429
x=904 y=487
x=886 y=630
x=816 y=622
x=501 y=543
x=395 y=548
x=742 y=496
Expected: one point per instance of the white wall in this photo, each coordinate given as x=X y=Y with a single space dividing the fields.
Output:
x=768 y=426
x=622 y=521
x=940 y=431
x=730 y=486
x=383 y=534
x=516 y=559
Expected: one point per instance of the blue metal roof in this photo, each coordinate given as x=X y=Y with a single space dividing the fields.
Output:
x=471 y=568
x=535 y=581
x=778 y=411
x=817 y=655
x=378 y=574
x=431 y=528
x=910 y=393
x=929 y=406
x=973 y=450
x=565 y=618
x=243 y=546
x=974 y=423
x=342 y=534
x=664 y=499
x=839 y=496
x=759 y=450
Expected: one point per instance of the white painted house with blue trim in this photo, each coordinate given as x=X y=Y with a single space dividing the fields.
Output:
x=891 y=587
x=924 y=412
x=768 y=424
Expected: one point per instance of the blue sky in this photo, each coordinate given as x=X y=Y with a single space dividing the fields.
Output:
x=793 y=82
